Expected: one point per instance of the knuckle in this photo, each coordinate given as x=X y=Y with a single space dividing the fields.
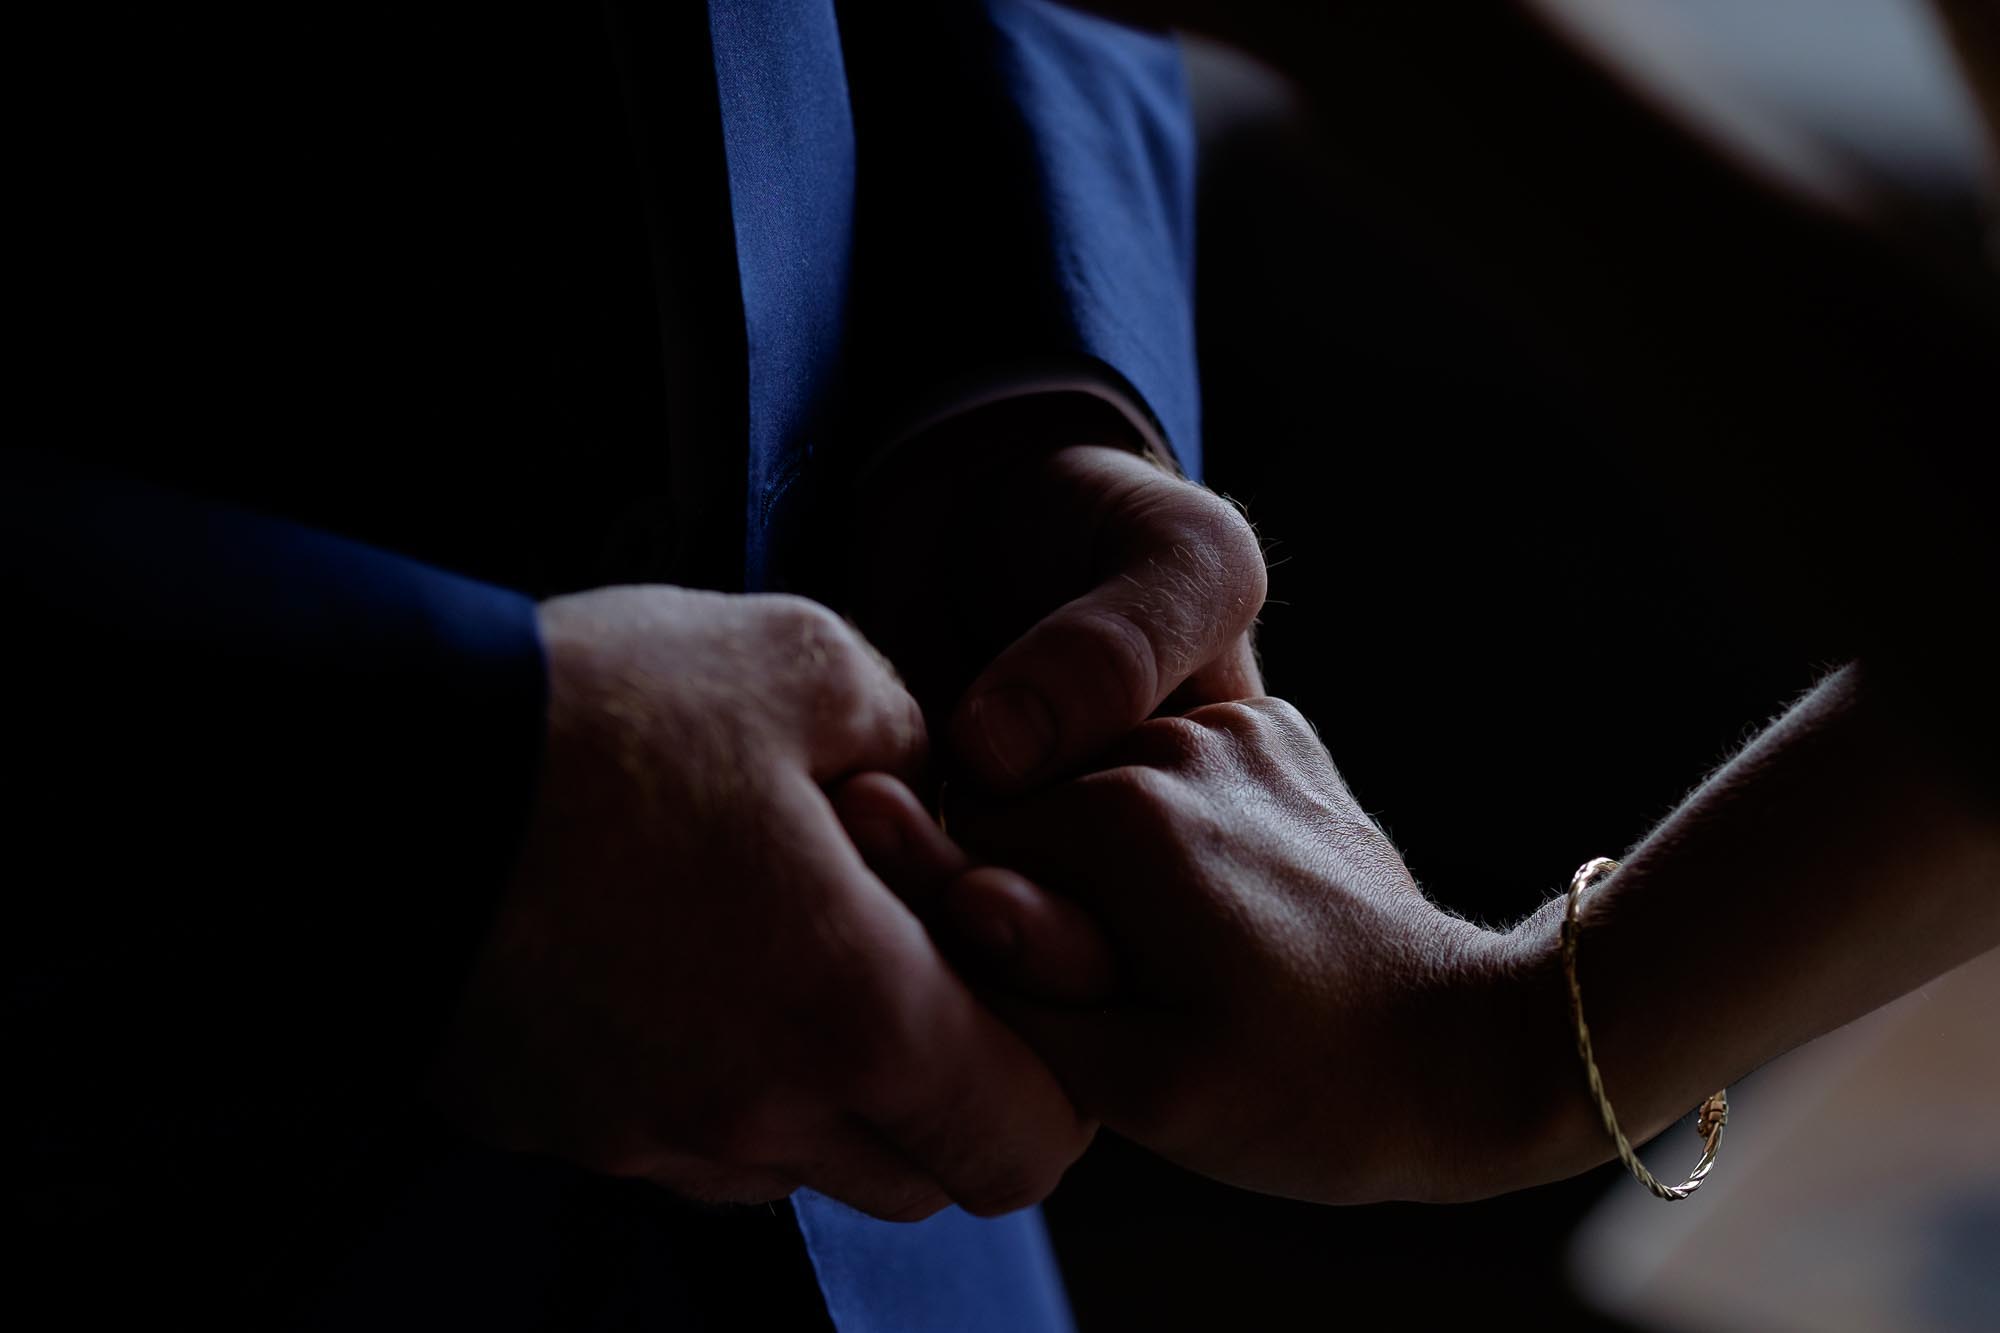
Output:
x=1135 y=797
x=1172 y=742
x=1265 y=723
x=811 y=634
x=1243 y=733
x=1282 y=717
x=1219 y=542
x=1237 y=718
x=1290 y=733
x=786 y=613
x=840 y=679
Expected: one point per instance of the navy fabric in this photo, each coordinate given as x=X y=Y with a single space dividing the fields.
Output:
x=1022 y=191
x=273 y=777
x=790 y=149
x=263 y=783
x=1022 y=197
x=1113 y=149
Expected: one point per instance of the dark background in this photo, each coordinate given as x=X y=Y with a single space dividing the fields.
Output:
x=1577 y=454
x=1521 y=388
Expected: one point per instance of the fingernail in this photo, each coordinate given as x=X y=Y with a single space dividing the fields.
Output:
x=992 y=934
x=1017 y=728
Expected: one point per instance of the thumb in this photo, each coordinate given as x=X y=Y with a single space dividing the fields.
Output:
x=1185 y=583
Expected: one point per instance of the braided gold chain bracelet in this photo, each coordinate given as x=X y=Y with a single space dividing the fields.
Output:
x=1714 y=1113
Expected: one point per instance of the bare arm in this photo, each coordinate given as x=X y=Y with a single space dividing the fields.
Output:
x=1838 y=862
x=1290 y=1013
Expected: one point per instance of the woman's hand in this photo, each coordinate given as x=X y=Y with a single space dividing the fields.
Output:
x=1273 y=1002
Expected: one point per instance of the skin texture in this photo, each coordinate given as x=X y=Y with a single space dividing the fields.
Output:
x=1267 y=954
x=1273 y=1003
x=693 y=978
x=1849 y=854
x=1044 y=586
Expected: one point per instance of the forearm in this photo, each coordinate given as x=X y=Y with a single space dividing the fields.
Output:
x=1840 y=861
x=267 y=783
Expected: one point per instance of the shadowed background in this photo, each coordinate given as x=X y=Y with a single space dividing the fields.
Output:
x=1492 y=356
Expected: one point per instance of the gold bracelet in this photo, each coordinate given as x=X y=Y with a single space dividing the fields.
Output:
x=1714 y=1113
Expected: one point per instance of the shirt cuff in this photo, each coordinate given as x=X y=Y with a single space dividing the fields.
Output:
x=1077 y=375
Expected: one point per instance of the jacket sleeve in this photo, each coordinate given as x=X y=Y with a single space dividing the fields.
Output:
x=1024 y=207
x=265 y=784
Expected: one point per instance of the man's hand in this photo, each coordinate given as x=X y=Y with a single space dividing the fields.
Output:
x=1045 y=588
x=694 y=979
x=1272 y=1003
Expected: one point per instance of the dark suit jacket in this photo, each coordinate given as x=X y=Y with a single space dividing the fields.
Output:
x=545 y=296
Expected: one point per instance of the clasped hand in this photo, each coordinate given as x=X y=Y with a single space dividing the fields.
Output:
x=1221 y=956
x=694 y=978
x=1181 y=908
x=739 y=955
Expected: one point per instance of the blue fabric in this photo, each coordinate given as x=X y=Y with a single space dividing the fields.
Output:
x=339 y=744
x=789 y=145
x=925 y=195
x=1113 y=151
x=343 y=741
x=272 y=779
x=952 y=1273
x=949 y=190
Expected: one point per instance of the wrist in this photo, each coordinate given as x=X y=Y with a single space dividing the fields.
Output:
x=1557 y=1132
x=1518 y=1115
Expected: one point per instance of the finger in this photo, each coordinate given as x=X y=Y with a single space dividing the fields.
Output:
x=991 y=919
x=897 y=837
x=1118 y=1066
x=851 y=1162
x=1013 y=934
x=1101 y=841
x=705 y=1180
x=1268 y=737
x=851 y=712
x=1184 y=579
x=944 y=1080
x=987 y=1119
x=1233 y=675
